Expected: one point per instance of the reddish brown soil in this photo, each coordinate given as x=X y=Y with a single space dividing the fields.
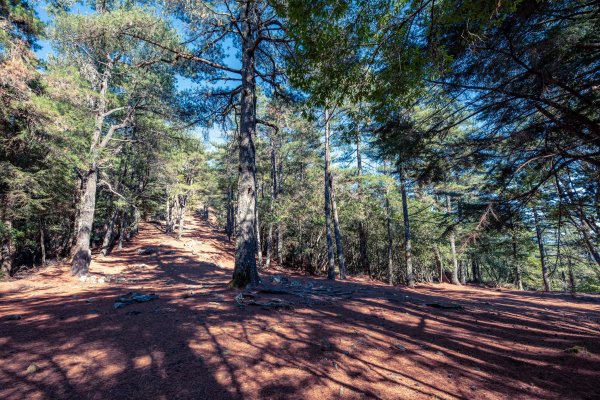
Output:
x=196 y=342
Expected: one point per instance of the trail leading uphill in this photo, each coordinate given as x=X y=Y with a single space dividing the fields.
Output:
x=298 y=337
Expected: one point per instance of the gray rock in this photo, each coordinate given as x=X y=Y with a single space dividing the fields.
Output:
x=132 y=298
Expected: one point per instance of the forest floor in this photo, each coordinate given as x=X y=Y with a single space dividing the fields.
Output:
x=308 y=338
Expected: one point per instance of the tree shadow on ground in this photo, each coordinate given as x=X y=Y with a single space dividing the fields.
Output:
x=197 y=342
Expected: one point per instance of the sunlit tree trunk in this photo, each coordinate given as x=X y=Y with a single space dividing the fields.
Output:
x=245 y=270
x=87 y=207
x=82 y=255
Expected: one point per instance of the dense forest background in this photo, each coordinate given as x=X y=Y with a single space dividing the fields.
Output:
x=410 y=141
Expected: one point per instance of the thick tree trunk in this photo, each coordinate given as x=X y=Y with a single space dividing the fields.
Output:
x=410 y=279
x=330 y=260
x=87 y=207
x=455 y=280
x=540 y=240
x=245 y=270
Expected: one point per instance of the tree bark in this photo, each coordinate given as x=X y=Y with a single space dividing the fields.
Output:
x=463 y=272
x=540 y=240
x=108 y=236
x=455 y=280
x=259 y=254
x=330 y=260
x=87 y=207
x=182 y=208
x=410 y=279
x=122 y=229
x=245 y=270
x=280 y=224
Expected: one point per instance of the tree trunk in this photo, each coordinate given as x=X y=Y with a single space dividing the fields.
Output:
x=337 y=230
x=259 y=255
x=540 y=240
x=330 y=260
x=455 y=280
x=280 y=224
x=108 y=236
x=87 y=207
x=245 y=270
x=122 y=229
x=475 y=271
x=463 y=272
x=183 y=203
x=572 y=286
x=410 y=279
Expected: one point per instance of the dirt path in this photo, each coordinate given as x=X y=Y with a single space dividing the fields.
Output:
x=62 y=339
